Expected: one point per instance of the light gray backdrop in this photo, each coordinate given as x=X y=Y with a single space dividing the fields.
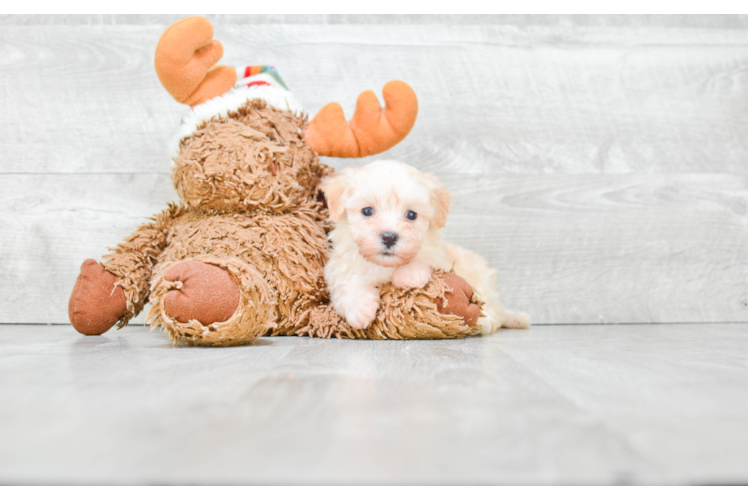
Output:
x=598 y=162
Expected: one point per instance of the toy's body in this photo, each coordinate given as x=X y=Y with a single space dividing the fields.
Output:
x=243 y=254
x=273 y=251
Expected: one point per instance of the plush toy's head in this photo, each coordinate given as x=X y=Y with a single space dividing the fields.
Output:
x=254 y=158
x=185 y=61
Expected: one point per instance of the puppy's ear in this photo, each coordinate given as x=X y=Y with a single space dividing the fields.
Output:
x=337 y=189
x=441 y=201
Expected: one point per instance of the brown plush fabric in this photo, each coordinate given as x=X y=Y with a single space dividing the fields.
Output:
x=132 y=261
x=96 y=303
x=253 y=234
x=203 y=292
x=402 y=315
x=254 y=160
x=254 y=316
x=459 y=300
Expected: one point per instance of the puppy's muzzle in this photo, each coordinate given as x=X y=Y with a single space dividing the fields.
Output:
x=389 y=239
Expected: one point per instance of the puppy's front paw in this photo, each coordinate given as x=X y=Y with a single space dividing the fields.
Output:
x=413 y=275
x=364 y=311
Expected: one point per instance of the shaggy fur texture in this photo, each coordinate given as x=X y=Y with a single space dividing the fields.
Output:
x=249 y=188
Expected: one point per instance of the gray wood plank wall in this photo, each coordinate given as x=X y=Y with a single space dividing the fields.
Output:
x=599 y=162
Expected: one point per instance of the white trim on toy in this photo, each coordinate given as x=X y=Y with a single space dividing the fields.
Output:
x=232 y=100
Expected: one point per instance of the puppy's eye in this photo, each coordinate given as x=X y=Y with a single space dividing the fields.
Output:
x=411 y=215
x=367 y=212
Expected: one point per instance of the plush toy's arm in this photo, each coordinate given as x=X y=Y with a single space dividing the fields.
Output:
x=116 y=291
x=132 y=261
x=442 y=309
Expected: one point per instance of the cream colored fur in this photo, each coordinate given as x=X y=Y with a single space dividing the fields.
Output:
x=360 y=261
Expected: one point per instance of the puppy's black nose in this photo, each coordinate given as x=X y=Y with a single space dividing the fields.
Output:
x=389 y=239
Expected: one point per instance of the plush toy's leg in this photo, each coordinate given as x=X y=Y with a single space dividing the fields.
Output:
x=440 y=310
x=460 y=301
x=457 y=301
x=211 y=301
x=97 y=302
x=208 y=293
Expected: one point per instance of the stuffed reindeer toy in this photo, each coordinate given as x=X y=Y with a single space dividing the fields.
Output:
x=242 y=254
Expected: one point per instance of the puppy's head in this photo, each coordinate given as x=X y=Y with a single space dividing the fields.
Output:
x=388 y=207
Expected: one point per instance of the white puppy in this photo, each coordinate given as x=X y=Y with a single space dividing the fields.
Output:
x=388 y=216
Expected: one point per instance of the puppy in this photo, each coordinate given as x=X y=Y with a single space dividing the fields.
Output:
x=387 y=218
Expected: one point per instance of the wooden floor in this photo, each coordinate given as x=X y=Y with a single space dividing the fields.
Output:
x=554 y=404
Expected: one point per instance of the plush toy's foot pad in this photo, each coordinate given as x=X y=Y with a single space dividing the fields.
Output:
x=208 y=293
x=458 y=300
x=96 y=304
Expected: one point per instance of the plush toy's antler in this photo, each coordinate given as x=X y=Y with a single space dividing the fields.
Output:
x=185 y=59
x=372 y=129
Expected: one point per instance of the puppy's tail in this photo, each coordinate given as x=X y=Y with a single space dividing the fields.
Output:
x=516 y=320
